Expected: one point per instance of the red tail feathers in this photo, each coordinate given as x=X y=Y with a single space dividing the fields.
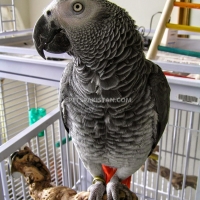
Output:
x=109 y=172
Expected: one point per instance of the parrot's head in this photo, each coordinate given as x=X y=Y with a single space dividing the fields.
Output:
x=82 y=28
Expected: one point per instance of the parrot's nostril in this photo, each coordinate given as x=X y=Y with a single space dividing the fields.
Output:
x=48 y=13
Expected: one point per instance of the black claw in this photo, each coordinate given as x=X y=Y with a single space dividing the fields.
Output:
x=13 y=155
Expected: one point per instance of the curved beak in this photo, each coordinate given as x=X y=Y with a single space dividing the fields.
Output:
x=50 y=37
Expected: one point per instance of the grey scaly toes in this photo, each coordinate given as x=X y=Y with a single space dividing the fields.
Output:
x=97 y=190
x=114 y=187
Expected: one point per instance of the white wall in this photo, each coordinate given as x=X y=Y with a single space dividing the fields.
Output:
x=23 y=9
x=140 y=10
x=36 y=7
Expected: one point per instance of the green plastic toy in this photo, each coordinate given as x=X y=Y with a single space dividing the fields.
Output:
x=63 y=141
x=34 y=115
x=179 y=51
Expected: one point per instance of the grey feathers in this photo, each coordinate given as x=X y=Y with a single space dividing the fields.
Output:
x=114 y=102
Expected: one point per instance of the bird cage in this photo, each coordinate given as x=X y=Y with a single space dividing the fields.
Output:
x=174 y=176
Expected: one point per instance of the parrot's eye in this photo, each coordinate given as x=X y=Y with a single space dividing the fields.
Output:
x=78 y=7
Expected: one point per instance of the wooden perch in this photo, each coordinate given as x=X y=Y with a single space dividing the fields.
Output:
x=177 y=179
x=85 y=195
x=38 y=178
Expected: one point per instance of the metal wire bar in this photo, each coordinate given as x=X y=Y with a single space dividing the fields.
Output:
x=3 y=179
x=152 y=194
x=14 y=16
x=63 y=153
x=166 y=142
x=137 y=180
x=158 y=169
x=37 y=146
x=74 y=165
x=27 y=96
x=82 y=177
x=54 y=153
x=5 y=21
x=23 y=188
x=3 y=116
x=177 y=146
x=132 y=183
x=173 y=150
x=184 y=143
x=46 y=147
x=165 y=152
x=68 y=160
x=183 y=156
x=196 y=151
x=145 y=179
x=1 y=186
x=12 y=181
x=187 y=153
x=17 y=184
x=1 y=18
x=35 y=92
x=198 y=186
x=160 y=192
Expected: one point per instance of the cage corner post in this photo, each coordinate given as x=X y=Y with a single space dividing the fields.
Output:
x=64 y=156
x=1 y=188
x=3 y=185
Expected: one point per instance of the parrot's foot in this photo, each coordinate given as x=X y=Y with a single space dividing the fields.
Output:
x=97 y=190
x=114 y=187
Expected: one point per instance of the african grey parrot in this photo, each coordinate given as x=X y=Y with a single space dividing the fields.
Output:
x=114 y=102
